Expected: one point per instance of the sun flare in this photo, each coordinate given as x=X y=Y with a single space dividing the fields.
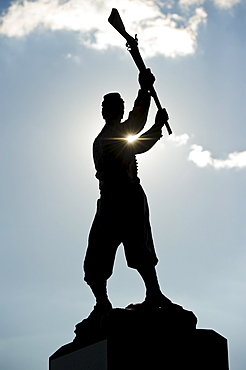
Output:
x=131 y=138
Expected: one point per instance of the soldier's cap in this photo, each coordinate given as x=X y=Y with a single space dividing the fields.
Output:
x=112 y=98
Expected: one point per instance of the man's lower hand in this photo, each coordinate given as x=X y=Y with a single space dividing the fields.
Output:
x=161 y=117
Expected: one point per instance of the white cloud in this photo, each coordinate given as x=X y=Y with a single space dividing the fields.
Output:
x=191 y=2
x=200 y=157
x=170 y=35
x=179 y=140
x=163 y=35
x=203 y=158
x=224 y=4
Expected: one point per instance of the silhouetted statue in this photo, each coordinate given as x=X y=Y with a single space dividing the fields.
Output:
x=122 y=214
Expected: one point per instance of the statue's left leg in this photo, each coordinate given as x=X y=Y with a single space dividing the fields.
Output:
x=154 y=296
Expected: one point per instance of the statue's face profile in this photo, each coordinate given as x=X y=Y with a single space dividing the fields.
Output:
x=113 y=107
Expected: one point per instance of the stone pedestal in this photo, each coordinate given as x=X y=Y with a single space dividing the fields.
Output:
x=130 y=340
x=93 y=357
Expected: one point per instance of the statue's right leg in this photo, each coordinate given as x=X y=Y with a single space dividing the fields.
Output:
x=100 y=255
x=98 y=267
x=99 y=289
x=96 y=278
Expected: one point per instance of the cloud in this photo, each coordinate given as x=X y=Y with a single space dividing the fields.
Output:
x=226 y=4
x=187 y=3
x=179 y=140
x=203 y=158
x=170 y=35
x=223 y=4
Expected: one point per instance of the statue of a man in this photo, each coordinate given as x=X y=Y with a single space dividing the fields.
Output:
x=122 y=214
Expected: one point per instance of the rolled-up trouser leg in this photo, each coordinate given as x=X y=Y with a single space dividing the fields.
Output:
x=104 y=239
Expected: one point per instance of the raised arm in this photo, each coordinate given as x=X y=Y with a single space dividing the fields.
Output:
x=147 y=140
x=138 y=116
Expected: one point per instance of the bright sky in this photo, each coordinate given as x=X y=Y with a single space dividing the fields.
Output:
x=57 y=60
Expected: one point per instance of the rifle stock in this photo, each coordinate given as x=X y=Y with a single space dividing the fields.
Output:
x=116 y=21
x=132 y=46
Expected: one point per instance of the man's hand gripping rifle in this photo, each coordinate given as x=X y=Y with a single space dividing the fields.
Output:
x=132 y=47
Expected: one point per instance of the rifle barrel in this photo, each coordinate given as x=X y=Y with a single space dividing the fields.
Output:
x=132 y=45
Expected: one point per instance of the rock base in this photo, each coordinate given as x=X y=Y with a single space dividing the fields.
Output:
x=135 y=339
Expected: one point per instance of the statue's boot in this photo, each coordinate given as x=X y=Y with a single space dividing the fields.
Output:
x=154 y=297
x=103 y=305
x=152 y=302
x=99 y=310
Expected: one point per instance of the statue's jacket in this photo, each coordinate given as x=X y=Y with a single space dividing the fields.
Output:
x=114 y=156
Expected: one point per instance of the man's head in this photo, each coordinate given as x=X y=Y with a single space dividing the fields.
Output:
x=112 y=106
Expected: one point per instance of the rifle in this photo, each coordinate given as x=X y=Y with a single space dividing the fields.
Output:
x=132 y=46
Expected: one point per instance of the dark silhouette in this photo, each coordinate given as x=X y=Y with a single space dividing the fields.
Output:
x=155 y=333
x=122 y=214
